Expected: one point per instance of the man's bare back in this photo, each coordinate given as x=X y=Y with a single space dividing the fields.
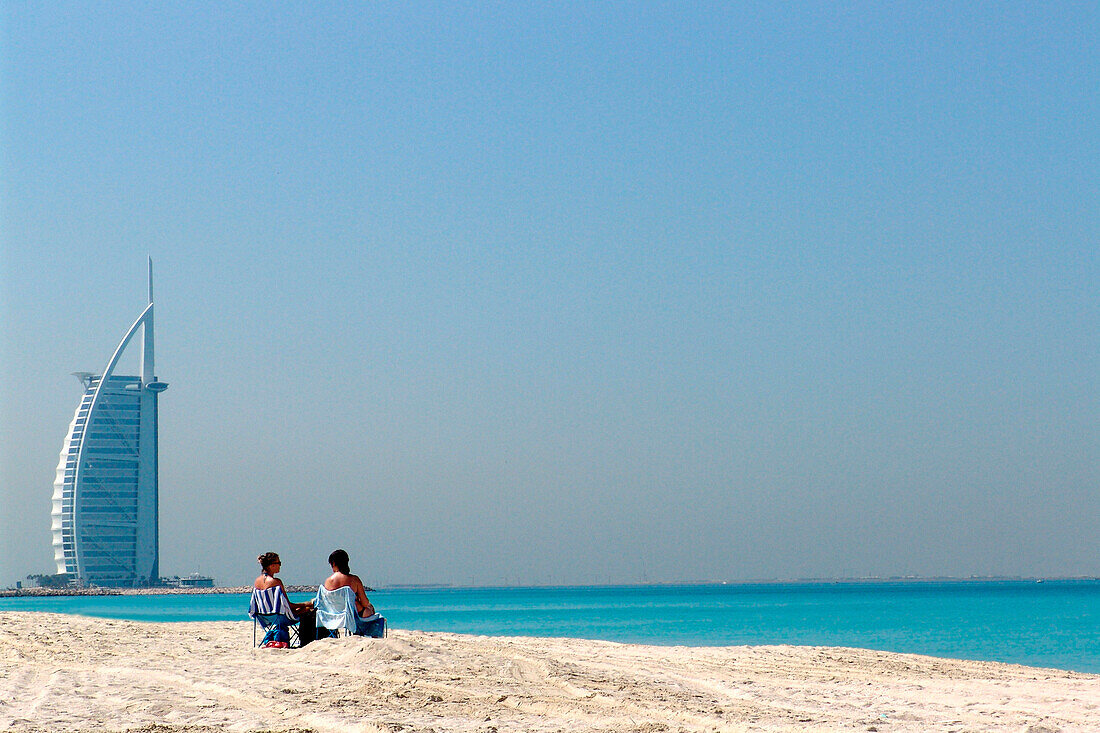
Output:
x=339 y=579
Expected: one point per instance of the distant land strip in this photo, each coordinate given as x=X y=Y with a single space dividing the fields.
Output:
x=17 y=592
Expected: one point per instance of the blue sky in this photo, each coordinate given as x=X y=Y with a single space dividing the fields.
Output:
x=567 y=293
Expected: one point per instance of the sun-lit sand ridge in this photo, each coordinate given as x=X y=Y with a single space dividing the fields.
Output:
x=61 y=673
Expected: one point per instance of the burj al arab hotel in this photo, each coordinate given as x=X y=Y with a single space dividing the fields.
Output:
x=105 y=495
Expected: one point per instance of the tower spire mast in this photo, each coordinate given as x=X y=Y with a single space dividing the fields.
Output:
x=148 y=372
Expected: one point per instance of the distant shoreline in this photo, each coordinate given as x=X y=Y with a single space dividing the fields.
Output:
x=51 y=592
x=245 y=589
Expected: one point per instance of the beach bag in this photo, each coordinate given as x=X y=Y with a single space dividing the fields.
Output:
x=375 y=629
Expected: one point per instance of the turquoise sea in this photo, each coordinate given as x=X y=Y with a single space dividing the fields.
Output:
x=1047 y=624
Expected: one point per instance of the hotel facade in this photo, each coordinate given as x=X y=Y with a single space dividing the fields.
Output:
x=105 y=502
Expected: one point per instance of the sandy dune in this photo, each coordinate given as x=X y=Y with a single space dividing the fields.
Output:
x=63 y=673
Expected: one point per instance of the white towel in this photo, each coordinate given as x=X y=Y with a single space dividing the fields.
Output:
x=336 y=609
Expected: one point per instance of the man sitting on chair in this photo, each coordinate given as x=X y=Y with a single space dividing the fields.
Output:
x=342 y=602
x=341 y=576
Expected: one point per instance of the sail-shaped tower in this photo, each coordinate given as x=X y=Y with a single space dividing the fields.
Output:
x=105 y=494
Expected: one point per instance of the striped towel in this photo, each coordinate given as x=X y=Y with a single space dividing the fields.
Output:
x=270 y=600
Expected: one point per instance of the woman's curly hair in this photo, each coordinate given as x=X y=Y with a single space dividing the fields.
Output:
x=268 y=559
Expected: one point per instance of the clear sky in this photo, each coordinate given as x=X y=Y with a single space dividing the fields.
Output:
x=567 y=292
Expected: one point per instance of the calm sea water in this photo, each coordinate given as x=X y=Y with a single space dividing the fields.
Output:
x=1048 y=624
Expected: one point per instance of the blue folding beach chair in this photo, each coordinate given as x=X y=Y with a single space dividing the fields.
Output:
x=270 y=610
x=336 y=611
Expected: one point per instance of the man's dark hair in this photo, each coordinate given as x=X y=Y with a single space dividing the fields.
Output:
x=339 y=558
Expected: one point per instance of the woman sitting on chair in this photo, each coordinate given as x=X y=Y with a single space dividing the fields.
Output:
x=271 y=564
x=341 y=576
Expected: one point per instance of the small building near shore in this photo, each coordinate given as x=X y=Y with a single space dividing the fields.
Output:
x=194 y=580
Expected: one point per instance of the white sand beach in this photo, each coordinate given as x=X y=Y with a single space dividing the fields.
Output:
x=69 y=673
